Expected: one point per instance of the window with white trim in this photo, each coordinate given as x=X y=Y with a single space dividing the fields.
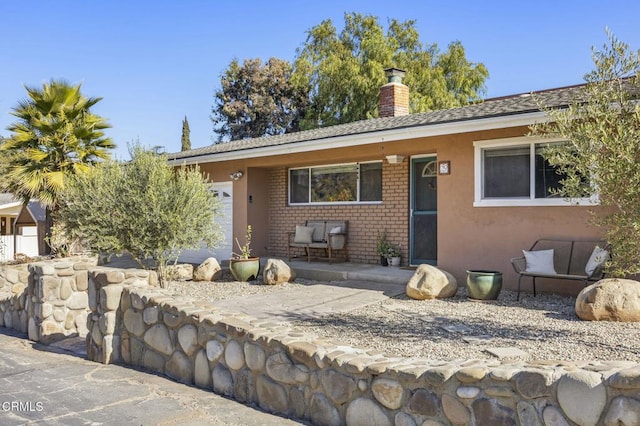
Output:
x=513 y=172
x=337 y=183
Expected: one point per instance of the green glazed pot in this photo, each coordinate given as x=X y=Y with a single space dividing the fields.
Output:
x=245 y=269
x=484 y=285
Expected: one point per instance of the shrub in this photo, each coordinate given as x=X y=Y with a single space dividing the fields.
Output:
x=144 y=207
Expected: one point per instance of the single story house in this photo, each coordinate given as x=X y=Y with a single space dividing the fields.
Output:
x=462 y=188
x=22 y=227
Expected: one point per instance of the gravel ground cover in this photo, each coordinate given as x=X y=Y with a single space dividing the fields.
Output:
x=545 y=328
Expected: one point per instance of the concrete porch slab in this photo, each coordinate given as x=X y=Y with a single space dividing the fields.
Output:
x=323 y=271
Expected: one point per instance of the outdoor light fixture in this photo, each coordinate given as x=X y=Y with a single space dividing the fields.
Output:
x=395 y=159
x=236 y=175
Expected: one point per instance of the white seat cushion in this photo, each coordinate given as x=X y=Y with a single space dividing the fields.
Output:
x=303 y=234
x=539 y=261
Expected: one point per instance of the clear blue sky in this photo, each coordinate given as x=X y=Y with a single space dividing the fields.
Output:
x=154 y=62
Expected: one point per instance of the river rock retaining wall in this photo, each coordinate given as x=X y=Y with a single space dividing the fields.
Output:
x=301 y=376
x=48 y=299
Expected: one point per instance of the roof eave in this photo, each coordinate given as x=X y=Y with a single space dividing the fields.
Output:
x=419 y=131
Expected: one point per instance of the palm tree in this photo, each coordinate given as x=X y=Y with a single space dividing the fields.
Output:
x=55 y=136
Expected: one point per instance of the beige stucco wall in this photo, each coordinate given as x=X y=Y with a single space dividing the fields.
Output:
x=468 y=237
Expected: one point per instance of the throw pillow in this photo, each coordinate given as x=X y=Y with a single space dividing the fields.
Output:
x=539 y=261
x=336 y=230
x=596 y=260
x=303 y=234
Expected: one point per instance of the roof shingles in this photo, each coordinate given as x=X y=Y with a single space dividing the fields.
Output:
x=517 y=104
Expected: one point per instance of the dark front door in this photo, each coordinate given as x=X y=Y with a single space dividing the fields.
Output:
x=424 y=210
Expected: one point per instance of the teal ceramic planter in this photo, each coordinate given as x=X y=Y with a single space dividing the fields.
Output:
x=484 y=285
x=245 y=269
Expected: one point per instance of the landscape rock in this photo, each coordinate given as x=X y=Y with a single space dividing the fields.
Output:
x=388 y=392
x=110 y=296
x=533 y=383
x=322 y=412
x=403 y=419
x=276 y=271
x=255 y=357
x=234 y=355
x=78 y=300
x=157 y=337
x=180 y=272
x=429 y=282
x=489 y=412
x=280 y=368
x=188 y=339
x=552 y=416
x=133 y=322
x=180 y=368
x=527 y=414
x=337 y=386
x=623 y=411
x=454 y=410
x=424 y=402
x=214 y=350
x=202 y=372
x=364 y=411
x=150 y=315
x=207 y=270
x=579 y=386
x=271 y=396
x=611 y=299
x=222 y=380
x=153 y=361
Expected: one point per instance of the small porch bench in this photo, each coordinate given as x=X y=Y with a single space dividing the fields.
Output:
x=563 y=260
x=328 y=236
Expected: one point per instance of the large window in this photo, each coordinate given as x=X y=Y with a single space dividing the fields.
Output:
x=513 y=172
x=341 y=183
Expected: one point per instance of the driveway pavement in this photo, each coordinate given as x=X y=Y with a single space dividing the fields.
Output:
x=47 y=385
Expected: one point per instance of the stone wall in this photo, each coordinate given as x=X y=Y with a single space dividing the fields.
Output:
x=15 y=306
x=48 y=299
x=105 y=324
x=300 y=376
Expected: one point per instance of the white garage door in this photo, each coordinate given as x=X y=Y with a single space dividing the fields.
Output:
x=224 y=192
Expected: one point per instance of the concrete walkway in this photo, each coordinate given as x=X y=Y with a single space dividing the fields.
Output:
x=45 y=385
x=312 y=301
x=345 y=286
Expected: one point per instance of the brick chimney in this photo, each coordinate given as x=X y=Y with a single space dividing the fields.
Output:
x=394 y=96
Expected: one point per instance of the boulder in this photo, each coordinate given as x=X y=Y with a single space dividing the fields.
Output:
x=611 y=299
x=207 y=270
x=180 y=272
x=277 y=271
x=429 y=282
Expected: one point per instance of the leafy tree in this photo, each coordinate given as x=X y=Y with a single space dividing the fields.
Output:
x=143 y=207
x=344 y=72
x=56 y=136
x=602 y=127
x=256 y=100
x=186 y=140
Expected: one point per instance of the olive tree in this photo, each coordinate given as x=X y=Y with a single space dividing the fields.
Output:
x=144 y=207
x=602 y=154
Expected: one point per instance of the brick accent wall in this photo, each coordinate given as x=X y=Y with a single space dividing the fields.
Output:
x=365 y=221
x=394 y=100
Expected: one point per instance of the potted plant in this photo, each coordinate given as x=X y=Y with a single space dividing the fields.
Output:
x=244 y=267
x=483 y=284
x=382 y=247
x=394 y=253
